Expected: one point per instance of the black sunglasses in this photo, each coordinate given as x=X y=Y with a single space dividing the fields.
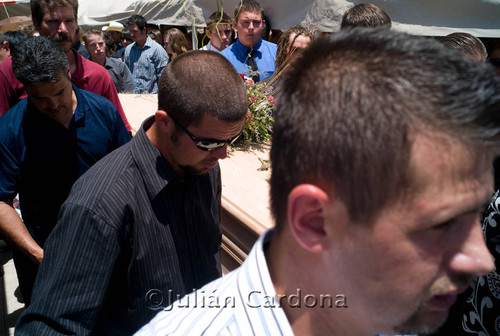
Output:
x=206 y=144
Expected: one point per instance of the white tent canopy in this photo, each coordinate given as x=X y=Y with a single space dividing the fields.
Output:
x=422 y=17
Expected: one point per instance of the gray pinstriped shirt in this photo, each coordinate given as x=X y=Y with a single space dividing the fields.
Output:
x=130 y=237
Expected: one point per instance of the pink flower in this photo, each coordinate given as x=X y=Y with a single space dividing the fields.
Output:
x=249 y=115
x=249 y=82
x=271 y=99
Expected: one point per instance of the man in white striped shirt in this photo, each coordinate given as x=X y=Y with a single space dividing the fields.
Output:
x=381 y=163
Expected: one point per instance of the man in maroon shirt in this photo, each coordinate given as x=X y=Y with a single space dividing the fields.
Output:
x=57 y=19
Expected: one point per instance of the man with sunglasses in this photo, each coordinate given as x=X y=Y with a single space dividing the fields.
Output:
x=143 y=225
x=250 y=50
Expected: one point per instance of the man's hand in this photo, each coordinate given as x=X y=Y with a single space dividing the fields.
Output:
x=37 y=255
x=15 y=232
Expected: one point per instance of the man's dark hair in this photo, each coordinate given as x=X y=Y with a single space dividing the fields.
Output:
x=248 y=6
x=126 y=34
x=201 y=82
x=347 y=121
x=39 y=60
x=218 y=18
x=467 y=44
x=138 y=20
x=365 y=15
x=38 y=8
x=15 y=39
x=111 y=46
x=266 y=32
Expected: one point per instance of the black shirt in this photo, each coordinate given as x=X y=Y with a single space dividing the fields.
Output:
x=131 y=238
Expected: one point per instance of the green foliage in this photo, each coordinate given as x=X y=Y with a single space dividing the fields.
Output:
x=259 y=122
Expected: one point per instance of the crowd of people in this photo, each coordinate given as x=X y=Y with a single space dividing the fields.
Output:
x=381 y=159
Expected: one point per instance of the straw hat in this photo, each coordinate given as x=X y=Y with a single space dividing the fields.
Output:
x=113 y=26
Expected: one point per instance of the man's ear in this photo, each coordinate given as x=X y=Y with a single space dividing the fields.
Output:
x=307 y=205
x=162 y=121
x=6 y=46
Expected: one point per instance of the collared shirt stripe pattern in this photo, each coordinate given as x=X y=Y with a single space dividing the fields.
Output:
x=237 y=304
x=146 y=64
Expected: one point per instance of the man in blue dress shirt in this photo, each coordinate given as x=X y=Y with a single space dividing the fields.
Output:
x=250 y=49
x=145 y=58
x=46 y=142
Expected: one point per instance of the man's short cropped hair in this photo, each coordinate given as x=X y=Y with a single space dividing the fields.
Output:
x=218 y=18
x=92 y=31
x=202 y=82
x=40 y=60
x=38 y=7
x=365 y=15
x=248 y=6
x=346 y=121
x=467 y=44
x=138 y=20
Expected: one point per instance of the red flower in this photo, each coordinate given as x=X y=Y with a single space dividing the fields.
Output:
x=271 y=99
x=249 y=115
x=252 y=99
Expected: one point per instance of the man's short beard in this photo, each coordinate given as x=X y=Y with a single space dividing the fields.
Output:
x=414 y=326
x=174 y=137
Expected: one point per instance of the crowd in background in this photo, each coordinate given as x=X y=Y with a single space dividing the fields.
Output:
x=179 y=39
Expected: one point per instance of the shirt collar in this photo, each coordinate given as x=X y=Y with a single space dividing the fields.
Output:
x=260 y=282
x=79 y=73
x=153 y=167
x=148 y=44
x=246 y=49
x=81 y=105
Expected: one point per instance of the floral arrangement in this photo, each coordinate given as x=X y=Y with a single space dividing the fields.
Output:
x=259 y=121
